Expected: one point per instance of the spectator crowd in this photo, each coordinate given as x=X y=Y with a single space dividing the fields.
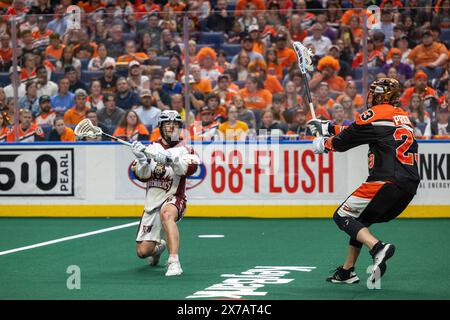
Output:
x=120 y=63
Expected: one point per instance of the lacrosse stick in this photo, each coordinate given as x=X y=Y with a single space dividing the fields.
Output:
x=305 y=64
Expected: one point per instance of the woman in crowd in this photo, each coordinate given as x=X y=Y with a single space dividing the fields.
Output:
x=60 y=131
x=130 y=128
x=95 y=99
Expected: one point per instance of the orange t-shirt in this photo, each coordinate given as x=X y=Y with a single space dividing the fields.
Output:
x=128 y=58
x=336 y=83
x=260 y=99
x=6 y=55
x=3 y=133
x=233 y=133
x=408 y=92
x=50 y=51
x=68 y=135
x=258 y=46
x=122 y=132
x=203 y=86
x=272 y=84
x=88 y=8
x=286 y=57
x=422 y=56
x=275 y=69
x=241 y=4
x=327 y=105
x=358 y=100
x=175 y=8
x=321 y=113
x=26 y=136
x=73 y=116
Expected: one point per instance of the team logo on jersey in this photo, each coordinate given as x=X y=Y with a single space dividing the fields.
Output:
x=158 y=178
x=197 y=178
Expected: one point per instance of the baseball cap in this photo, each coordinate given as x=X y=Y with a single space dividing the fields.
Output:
x=335 y=47
x=146 y=93
x=69 y=69
x=222 y=76
x=205 y=110
x=253 y=27
x=11 y=69
x=191 y=79
x=169 y=77
x=44 y=98
x=109 y=63
x=80 y=92
x=246 y=37
x=280 y=36
x=133 y=63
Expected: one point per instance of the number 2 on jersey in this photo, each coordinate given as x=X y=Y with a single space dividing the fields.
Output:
x=403 y=155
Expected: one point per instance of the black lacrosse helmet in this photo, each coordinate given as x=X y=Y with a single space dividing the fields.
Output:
x=383 y=91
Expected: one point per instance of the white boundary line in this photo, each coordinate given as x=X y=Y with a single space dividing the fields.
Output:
x=81 y=235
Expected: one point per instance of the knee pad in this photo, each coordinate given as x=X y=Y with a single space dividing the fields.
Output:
x=348 y=224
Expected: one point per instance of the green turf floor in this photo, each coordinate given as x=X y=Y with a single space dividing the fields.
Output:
x=110 y=269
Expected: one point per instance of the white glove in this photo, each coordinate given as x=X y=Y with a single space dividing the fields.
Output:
x=138 y=150
x=163 y=157
x=319 y=145
x=319 y=126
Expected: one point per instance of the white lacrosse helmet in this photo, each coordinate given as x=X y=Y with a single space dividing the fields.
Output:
x=169 y=115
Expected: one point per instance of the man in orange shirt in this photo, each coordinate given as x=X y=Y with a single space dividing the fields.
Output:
x=421 y=87
x=206 y=128
x=77 y=113
x=358 y=10
x=5 y=52
x=28 y=132
x=201 y=84
x=55 y=48
x=430 y=56
x=286 y=56
x=323 y=96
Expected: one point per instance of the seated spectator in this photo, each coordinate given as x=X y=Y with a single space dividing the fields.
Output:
x=91 y=114
x=254 y=94
x=273 y=67
x=6 y=52
x=404 y=70
x=345 y=70
x=247 y=46
x=220 y=19
x=95 y=99
x=207 y=59
x=177 y=104
x=136 y=80
x=293 y=99
x=201 y=84
x=241 y=66
x=321 y=112
x=29 y=68
x=74 y=115
x=61 y=132
x=233 y=129
x=41 y=36
x=375 y=58
x=97 y=63
x=440 y=128
x=247 y=18
x=420 y=86
x=67 y=59
x=244 y=114
x=268 y=125
x=109 y=79
x=9 y=89
x=294 y=24
x=176 y=66
x=206 y=128
x=45 y=86
x=4 y=127
x=351 y=91
x=349 y=108
x=9 y=110
x=224 y=89
x=131 y=54
x=30 y=100
x=212 y=101
x=278 y=107
x=160 y=98
x=147 y=113
x=115 y=44
x=328 y=68
x=64 y=99
x=110 y=115
x=74 y=81
x=46 y=115
x=125 y=97
x=299 y=124
x=168 y=45
x=271 y=83
x=130 y=128
x=338 y=115
x=85 y=49
x=28 y=132
x=286 y=56
x=323 y=96
x=170 y=85
x=148 y=6
x=430 y=56
x=321 y=43
x=357 y=10
x=419 y=117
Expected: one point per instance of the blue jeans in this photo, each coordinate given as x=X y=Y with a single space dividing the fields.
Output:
x=433 y=73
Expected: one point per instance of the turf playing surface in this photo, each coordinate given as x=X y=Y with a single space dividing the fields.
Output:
x=110 y=268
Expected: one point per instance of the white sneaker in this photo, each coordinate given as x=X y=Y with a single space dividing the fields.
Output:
x=173 y=268
x=153 y=260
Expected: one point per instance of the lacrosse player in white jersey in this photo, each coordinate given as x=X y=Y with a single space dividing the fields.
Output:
x=164 y=166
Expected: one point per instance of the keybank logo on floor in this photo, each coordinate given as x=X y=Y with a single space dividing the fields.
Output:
x=237 y=286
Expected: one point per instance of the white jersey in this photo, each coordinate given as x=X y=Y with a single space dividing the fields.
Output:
x=166 y=182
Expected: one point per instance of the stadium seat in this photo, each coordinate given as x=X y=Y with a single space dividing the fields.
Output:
x=216 y=38
x=84 y=64
x=445 y=35
x=56 y=76
x=129 y=36
x=357 y=73
x=163 y=62
x=240 y=84
x=359 y=85
x=87 y=76
x=231 y=49
x=202 y=45
x=4 y=79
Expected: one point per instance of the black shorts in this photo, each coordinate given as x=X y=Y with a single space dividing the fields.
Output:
x=375 y=202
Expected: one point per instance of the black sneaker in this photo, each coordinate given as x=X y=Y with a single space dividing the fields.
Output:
x=343 y=276
x=380 y=253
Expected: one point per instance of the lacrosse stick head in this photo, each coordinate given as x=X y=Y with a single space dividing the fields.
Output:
x=85 y=129
x=304 y=56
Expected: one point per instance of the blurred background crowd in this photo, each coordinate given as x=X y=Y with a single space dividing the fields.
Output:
x=120 y=63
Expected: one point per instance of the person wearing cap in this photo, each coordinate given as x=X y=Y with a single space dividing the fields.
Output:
x=403 y=69
x=430 y=56
x=440 y=128
x=299 y=124
x=170 y=85
x=148 y=113
x=223 y=89
x=125 y=97
x=9 y=89
x=220 y=19
x=206 y=128
x=286 y=56
x=247 y=46
x=74 y=82
x=46 y=115
x=321 y=43
x=109 y=79
x=131 y=54
x=258 y=45
x=78 y=112
x=420 y=87
x=136 y=80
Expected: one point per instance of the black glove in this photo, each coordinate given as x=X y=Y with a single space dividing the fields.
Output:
x=320 y=127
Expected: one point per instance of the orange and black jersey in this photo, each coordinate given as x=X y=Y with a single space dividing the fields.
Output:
x=393 y=149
